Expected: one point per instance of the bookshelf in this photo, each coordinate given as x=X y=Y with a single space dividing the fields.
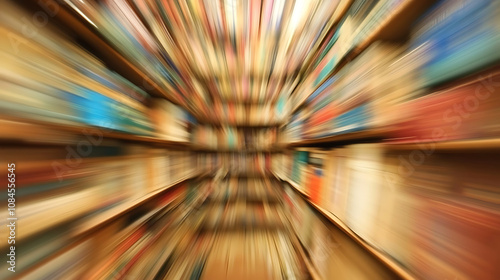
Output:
x=19 y=130
x=97 y=156
x=412 y=136
x=206 y=149
x=406 y=160
x=326 y=109
x=453 y=178
x=381 y=256
x=240 y=125
x=453 y=146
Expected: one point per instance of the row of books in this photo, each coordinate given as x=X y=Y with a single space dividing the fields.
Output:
x=417 y=206
x=246 y=114
x=233 y=138
x=56 y=185
x=396 y=86
x=357 y=97
x=133 y=245
x=47 y=77
x=332 y=253
x=235 y=163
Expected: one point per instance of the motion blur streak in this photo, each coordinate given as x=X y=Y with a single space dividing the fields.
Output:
x=250 y=139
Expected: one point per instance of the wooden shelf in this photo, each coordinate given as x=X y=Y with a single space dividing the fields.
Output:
x=384 y=258
x=345 y=137
x=462 y=145
x=395 y=26
x=20 y=131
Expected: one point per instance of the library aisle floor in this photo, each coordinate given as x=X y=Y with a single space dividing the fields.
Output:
x=242 y=232
x=250 y=139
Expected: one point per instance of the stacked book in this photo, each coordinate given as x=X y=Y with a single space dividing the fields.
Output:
x=141 y=249
x=456 y=41
x=360 y=95
x=233 y=51
x=233 y=138
x=171 y=121
x=122 y=26
x=240 y=215
x=459 y=38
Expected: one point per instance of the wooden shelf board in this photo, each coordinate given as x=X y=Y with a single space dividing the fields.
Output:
x=14 y=127
x=310 y=267
x=240 y=125
x=462 y=145
x=471 y=144
x=350 y=136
